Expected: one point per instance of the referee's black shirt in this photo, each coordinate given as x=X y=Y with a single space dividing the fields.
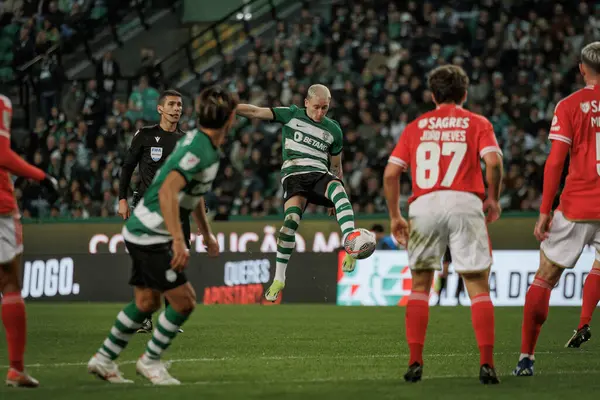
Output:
x=149 y=148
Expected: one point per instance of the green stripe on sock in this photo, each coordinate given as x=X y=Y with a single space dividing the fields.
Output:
x=159 y=343
x=344 y=207
x=291 y=224
x=285 y=250
x=123 y=328
x=134 y=314
x=117 y=341
x=281 y=260
x=293 y=210
x=332 y=187
x=339 y=197
x=341 y=204
x=111 y=353
x=165 y=332
x=343 y=220
x=151 y=354
x=286 y=238
x=174 y=317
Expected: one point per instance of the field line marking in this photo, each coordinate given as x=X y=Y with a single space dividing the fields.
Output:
x=281 y=358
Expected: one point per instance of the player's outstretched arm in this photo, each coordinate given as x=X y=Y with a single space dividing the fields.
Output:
x=169 y=203
x=10 y=161
x=202 y=219
x=552 y=173
x=250 y=111
x=493 y=174
x=169 y=206
x=132 y=159
x=391 y=188
x=204 y=227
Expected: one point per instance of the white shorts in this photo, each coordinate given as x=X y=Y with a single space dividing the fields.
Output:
x=11 y=238
x=448 y=218
x=567 y=240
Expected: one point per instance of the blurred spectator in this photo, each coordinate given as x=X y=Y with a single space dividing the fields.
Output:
x=107 y=72
x=384 y=242
x=142 y=102
x=149 y=69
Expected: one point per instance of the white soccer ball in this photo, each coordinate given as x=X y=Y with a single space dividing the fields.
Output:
x=360 y=243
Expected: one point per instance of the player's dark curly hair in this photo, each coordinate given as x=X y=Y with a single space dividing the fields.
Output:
x=448 y=84
x=215 y=107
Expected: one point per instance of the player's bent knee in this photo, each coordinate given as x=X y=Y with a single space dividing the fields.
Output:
x=189 y=306
x=147 y=305
x=422 y=280
x=147 y=301
x=9 y=277
x=476 y=282
x=184 y=305
x=548 y=270
x=182 y=299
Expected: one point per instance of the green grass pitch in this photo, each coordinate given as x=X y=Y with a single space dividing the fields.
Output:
x=305 y=352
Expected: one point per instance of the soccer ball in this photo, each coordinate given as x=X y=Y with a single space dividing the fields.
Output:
x=360 y=243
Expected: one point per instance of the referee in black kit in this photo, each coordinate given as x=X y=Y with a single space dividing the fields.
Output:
x=149 y=149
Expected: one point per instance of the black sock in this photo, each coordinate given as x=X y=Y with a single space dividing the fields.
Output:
x=443 y=281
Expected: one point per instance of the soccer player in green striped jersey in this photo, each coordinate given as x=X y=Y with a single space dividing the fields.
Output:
x=311 y=171
x=156 y=244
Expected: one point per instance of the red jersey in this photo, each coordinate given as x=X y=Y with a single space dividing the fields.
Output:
x=11 y=162
x=576 y=122
x=442 y=148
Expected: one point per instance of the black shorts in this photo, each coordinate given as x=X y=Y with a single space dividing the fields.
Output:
x=447 y=255
x=313 y=186
x=152 y=267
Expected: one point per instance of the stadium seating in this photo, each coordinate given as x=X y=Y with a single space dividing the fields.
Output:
x=374 y=55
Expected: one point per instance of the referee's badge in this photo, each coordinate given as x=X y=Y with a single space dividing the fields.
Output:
x=156 y=153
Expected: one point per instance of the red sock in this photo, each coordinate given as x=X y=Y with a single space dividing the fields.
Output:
x=15 y=324
x=482 y=315
x=417 y=317
x=591 y=297
x=535 y=314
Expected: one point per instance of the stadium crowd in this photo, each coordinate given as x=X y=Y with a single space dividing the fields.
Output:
x=521 y=57
x=32 y=27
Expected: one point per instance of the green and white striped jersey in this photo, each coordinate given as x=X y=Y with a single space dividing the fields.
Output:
x=197 y=160
x=307 y=144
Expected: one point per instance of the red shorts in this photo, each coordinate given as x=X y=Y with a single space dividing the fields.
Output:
x=11 y=238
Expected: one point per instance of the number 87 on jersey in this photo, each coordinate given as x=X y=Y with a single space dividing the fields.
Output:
x=443 y=149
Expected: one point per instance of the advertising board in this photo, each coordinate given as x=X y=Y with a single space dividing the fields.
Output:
x=384 y=279
x=232 y=278
x=256 y=236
